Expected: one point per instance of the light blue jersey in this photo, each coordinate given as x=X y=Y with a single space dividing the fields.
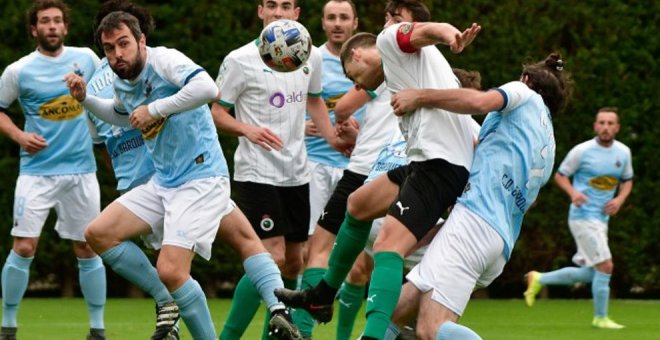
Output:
x=596 y=172
x=335 y=85
x=37 y=81
x=513 y=160
x=184 y=146
x=131 y=161
x=391 y=157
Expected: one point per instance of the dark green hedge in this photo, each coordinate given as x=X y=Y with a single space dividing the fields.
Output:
x=611 y=48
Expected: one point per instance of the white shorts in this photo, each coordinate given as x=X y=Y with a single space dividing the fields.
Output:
x=187 y=216
x=75 y=198
x=410 y=261
x=591 y=239
x=464 y=255
x=322 y=184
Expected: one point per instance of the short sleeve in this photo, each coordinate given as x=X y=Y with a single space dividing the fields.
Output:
x=230 y=81
x=571 y=163
x=316 y=63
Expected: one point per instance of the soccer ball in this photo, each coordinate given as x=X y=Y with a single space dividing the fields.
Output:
x=285 y=45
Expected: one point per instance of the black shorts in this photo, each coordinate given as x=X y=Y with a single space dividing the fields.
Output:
x=335 y=209
x=273 y=210
x=429 y=189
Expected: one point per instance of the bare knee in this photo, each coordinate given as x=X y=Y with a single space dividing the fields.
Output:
x=361 y=271
x=171 y=276
x=83 y=250
x=606 y=267
x=25 y=246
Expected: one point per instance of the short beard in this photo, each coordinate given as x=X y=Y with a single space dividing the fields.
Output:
x=47 y=46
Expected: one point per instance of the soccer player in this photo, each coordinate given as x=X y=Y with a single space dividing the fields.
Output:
x=132 y=167
x=440 y=147
x=271 y=177
x=476 y=241
x=338 y=20
x=598 y=167
x=163 y=93
x=57 y=168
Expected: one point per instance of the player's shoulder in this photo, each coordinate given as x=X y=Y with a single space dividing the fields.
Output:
x=81 y=51
x=245 y=52
x=19 y=64
x=620 y=146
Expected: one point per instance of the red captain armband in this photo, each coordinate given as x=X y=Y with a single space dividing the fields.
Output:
x=403 y=35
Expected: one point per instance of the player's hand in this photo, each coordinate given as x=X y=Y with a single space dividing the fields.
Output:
x=32 y=142
x=77 y=86
x=311 y=130
x=579 y=198
x=264 y=137
x=140 y=117
x=612 y=206
x=405 y=101
x=462 y=40
x=342 y=146
x=348 y=130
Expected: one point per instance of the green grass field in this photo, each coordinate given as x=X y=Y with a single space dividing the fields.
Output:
x=129 y=319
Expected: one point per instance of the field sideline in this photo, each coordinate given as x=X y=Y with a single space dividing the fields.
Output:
x=129 y=319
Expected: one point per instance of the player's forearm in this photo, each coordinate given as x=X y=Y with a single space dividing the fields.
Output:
x=349 y=103
x=465 y=101
x=625 y=189
x=225 y=122
x=433 y=33
x=200 y=90
x=564 y=184
x=8 y=128
x=105 y=110
x=319 y=114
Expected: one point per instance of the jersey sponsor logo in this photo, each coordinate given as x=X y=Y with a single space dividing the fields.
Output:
x=60 y=108
x=604 y=183
x=518 y=197
x=267 y=223
x=279 y=99
x=152 y=130
x=132 y=143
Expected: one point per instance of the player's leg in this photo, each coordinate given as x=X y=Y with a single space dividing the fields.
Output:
x=351 y=295
x=76 y=205
x=186 y=234
x=426 y=194
x=34 y=196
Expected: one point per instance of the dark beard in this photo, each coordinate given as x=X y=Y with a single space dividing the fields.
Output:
x=46 y=45
x=133 y=70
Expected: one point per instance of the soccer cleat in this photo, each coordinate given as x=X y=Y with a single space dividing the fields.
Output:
x=605 y=323
x=167 y=316
x=533 y=287
x=281 y=325
x=407 y=333
x=8 y=333
x=307 y=300
x=174 y=333
x=96 y=334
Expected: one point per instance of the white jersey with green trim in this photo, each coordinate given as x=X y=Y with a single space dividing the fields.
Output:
x=275 y=100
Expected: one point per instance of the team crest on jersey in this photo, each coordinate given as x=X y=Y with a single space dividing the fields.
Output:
x=604 y=183
x=405 y=28
x=60 y=108
x=151 y=131
x=267 y=223
x=618 y=163
x=148 y=88
x=78 y=70
x=305 y=69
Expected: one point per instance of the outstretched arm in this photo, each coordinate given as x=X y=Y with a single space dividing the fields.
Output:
x=433 y=33
x=468 y=101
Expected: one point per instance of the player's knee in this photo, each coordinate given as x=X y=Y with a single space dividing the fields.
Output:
x=25 y=247
x=354 y=206
x=425 y=331
x=606 y=267
x=170 y=275
x=358 y=275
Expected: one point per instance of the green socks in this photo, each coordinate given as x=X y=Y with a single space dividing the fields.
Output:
x=350 y=301
x=384 y=292
x=351 y=239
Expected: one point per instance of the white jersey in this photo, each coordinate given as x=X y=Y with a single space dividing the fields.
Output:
x=36 y=80
x=378 y=123
x=276 y=100
x=431 y=133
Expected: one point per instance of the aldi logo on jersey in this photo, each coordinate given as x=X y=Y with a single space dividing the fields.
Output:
x=279 y=99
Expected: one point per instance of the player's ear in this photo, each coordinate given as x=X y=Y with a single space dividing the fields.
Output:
x=356 y=54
